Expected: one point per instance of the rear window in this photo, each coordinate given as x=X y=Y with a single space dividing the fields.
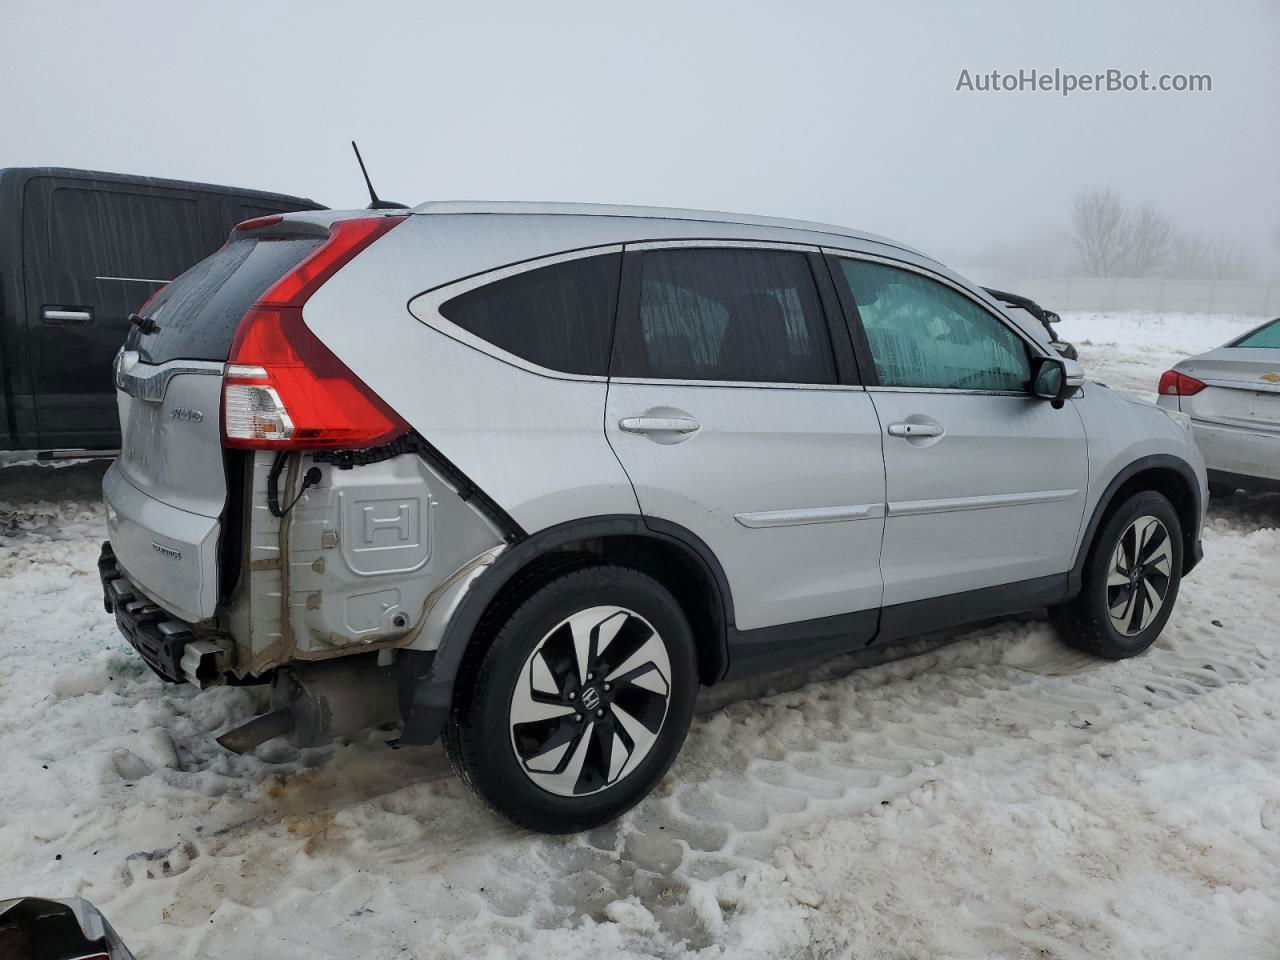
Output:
x=1267 y=337
x=199 y=312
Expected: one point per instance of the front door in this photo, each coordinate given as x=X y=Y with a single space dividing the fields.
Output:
x=727 y=412
x=986 y=484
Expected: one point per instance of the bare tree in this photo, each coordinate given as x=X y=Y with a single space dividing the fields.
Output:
x=1100 y=232
x=1188 y=257
x=1150 y=235
x=1227 y=261
x=1111 y=240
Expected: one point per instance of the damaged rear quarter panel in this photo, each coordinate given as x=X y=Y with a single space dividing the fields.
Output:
x=357 y=564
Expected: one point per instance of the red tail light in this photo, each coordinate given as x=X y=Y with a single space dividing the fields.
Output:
x=1175 y=384
x=284 y=389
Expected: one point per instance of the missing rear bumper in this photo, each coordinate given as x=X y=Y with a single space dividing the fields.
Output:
x=167 y=645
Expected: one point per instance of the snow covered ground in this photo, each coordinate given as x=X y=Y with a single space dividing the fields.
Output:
x=1129 y=351
x=1000 y=795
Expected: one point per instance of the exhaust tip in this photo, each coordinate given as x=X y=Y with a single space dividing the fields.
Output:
x=249 y=736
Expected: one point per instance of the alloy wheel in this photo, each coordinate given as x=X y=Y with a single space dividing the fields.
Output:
x=1139 y=576
x=590 y=701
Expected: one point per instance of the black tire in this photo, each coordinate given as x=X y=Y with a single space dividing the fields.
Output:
x=482 y=742
x=1086 y=621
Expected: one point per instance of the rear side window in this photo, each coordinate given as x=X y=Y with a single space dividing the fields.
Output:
x=725 y=314
x=1267 y=337
x=110 y=234
x=924 y=334
x=559 y=316
x=199 y=312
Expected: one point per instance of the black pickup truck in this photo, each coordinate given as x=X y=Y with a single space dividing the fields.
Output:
x=79 y=252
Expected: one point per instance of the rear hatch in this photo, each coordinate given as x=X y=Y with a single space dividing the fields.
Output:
x=167 y=491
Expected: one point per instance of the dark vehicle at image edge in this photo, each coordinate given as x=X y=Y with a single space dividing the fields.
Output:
x=80 y=251
x=524 y=476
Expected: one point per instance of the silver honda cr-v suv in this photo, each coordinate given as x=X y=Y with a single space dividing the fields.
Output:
x=526 y=475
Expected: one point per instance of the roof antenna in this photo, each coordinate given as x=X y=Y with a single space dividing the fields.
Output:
x=374 y=202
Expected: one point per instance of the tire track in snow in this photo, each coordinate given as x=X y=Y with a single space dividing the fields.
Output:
x=755 y=773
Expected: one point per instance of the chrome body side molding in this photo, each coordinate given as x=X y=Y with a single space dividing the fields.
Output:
x=909 y=508
x=793 y=518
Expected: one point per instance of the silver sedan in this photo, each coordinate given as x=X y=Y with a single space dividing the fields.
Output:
x=1232 y=395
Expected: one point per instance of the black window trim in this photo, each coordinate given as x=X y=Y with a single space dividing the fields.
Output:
x=425 y=308
x=862 y=346
x=629 y=307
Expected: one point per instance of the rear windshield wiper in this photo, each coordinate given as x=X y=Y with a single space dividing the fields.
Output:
x=145 y=325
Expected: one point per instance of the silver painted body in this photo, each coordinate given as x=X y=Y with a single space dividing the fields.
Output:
x=996 y=498
x=816 y=500
x=166 y=491
x=1236 y=418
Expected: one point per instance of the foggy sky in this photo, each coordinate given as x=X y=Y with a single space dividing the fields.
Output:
x=844 y=112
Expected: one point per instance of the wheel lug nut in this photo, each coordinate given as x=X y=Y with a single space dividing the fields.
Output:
x=600 y=712
x=589 y=676
x=578 y=717
x=573 y=696
x=606 y=686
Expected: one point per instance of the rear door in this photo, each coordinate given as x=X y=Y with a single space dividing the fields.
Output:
x=986 y=484
x=734 y=417
x=93 y=252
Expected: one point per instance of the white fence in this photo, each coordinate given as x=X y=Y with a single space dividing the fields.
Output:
x=1168 y=296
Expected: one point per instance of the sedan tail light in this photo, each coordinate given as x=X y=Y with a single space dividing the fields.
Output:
x=283 y=388
x=1175 y=384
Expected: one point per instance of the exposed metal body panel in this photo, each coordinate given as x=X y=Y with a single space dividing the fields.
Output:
x=369 y=558
x=368 y=548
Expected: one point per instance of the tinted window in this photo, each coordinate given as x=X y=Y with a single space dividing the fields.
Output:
x=726 y=314
x=110 y=233
x=199 y=312
x=559 y=317
x=1268 y=336
x=924 y=334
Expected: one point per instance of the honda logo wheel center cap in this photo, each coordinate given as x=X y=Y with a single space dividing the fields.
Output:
x=591 y=698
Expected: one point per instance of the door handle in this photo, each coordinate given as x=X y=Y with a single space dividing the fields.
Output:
x=658 y=424
x=905 y=429
x=58 y=317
